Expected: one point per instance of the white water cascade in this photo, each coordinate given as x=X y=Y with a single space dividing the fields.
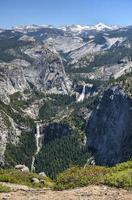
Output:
x=82 y=95
x=38 y=139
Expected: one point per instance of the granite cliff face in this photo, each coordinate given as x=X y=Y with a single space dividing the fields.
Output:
x=45 y=73
x=109 y=128
x=9 y=133
x=40 y=69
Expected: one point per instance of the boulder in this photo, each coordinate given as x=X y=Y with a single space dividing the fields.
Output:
x=42 y=181
x=25 y=169
x=22 y=168
x=35 y=180
x=42 y=174
x=19 y=167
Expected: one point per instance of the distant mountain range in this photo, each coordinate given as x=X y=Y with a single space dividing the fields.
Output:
x=73 y=28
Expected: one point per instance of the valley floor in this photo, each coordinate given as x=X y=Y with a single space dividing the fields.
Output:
x=85 y=193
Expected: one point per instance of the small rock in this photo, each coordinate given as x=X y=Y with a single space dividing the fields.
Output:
x=22 y=168
x=42 y=174
x=6 y=197
x=42 y=181
x=35 y=180
x=25 y=169
x=19 y=166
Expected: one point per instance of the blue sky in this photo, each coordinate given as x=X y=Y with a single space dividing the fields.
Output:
x=61 y=12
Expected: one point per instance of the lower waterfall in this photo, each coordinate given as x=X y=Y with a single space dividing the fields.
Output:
x=38 y=139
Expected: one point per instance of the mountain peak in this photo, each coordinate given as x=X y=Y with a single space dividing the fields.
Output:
x=79 y=28
x=32 y=27
x=74 y=28
x=100 y=26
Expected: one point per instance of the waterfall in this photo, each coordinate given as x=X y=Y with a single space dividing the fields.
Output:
x=38 y=139
x=82 y=95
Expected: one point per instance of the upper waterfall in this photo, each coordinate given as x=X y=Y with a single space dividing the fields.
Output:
x=82 y=95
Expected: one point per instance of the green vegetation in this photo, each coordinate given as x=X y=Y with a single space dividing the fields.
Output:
x=11 y=41
x=63 y=139
x=63 y=146
x=118 y=176
x=17 y=116
x=22 y=152
x=54 y=104
x=125 y=82
x=121 y=179
x=121 y=176
x=59 y=154
x=24 y=178
x=5 y=56
x=115 y=55
x=122 y=166
x=5 y=119
x=4 y=189
x=16 y=101
x=80 y=176
x=86 y=69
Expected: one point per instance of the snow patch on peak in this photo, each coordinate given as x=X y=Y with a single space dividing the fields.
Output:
x=33 y=27
x=75 y=28
x=100 y=26
x=1 y=30
x=112 y=41
x=80 y=28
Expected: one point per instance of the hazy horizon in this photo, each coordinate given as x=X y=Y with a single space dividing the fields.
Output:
x=58 y=26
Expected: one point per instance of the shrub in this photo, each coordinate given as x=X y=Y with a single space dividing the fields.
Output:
x=119 y=179
x=24 y=178
x=79 y=177
x=4 y=188
x=120 y=176
x=122 y=166
x=117 y=176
